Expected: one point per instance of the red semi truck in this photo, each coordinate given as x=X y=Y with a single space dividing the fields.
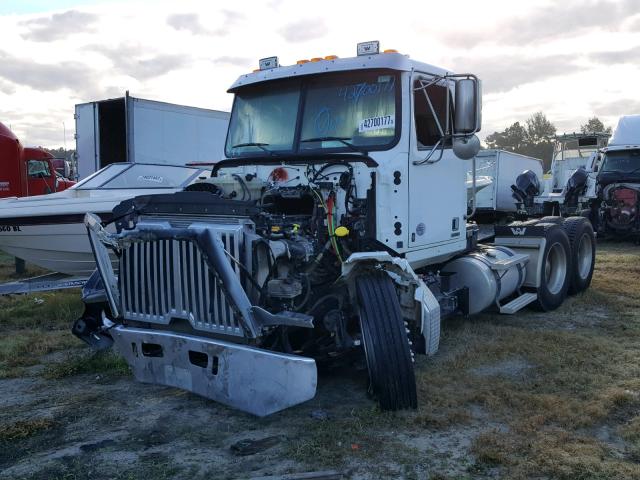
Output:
x=26 y=171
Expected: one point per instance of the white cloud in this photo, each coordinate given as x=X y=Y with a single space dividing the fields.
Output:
x=544 y=55
x=58 y=25
x=304 y=30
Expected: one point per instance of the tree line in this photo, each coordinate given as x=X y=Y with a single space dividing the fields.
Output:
x=535 y=137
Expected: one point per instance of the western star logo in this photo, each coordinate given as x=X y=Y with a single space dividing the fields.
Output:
x=518 y=230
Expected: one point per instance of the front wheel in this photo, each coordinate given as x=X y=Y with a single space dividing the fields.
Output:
x=386 y=345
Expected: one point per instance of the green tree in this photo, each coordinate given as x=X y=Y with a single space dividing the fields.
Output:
x=594 y=125
x=539 y=129
x=535 y=138
x=540 y=135
x=512 y=139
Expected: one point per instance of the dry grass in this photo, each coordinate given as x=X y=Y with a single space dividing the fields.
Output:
x=360 y=434
x=34 y=325
x=88 y=362
x=24 y=428
x=578 y=372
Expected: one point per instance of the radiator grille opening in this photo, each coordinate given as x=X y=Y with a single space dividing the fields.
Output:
x=162 y=280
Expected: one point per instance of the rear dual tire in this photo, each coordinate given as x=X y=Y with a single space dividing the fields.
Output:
x=555 y=267
x=568 y=261
x=582 y=239
x=583 y=251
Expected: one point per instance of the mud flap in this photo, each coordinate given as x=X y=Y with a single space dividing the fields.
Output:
x=256 y=381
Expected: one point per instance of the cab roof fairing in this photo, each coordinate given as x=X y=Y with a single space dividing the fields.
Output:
x=618 y=148
x=390 y=61
x=627 y=132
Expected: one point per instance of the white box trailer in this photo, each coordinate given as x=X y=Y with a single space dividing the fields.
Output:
x=136 y=130
x=503 y=168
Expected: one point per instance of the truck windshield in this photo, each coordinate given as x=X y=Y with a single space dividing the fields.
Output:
x=339 y=112
x=625 y=161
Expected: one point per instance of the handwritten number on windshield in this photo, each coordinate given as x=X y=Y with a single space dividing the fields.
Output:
x=355 y=92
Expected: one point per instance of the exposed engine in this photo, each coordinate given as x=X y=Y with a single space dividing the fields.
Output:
x=620 y=206
x=298 y=226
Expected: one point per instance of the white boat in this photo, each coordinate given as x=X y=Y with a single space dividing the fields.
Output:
x=49 y=230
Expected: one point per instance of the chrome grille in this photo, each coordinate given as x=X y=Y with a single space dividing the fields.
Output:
x=165 y=279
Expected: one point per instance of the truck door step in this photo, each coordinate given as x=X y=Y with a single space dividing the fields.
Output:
x=518 y=303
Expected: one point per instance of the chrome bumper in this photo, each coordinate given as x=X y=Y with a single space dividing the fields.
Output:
x=256 y=381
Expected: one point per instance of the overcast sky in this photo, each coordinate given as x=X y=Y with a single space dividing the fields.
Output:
x=571 y=60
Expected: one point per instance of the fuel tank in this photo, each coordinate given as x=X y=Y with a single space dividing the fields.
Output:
x=488 y=281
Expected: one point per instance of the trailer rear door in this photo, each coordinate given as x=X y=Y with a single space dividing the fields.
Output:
x=86 y=134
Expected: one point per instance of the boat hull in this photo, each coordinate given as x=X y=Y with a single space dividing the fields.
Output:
x=59 y=247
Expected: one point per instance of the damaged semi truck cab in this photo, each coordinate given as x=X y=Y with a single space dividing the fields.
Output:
x=335 y=227
x=619 y=181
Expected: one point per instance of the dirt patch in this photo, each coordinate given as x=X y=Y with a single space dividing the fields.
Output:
x=510 y=368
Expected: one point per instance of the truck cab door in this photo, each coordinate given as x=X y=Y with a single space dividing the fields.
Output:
x=437 y=185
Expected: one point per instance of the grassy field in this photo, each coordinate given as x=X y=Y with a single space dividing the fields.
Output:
x=536 y=395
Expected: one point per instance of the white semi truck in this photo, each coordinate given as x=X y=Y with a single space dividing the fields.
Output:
x=130 y=129
x=335 y=226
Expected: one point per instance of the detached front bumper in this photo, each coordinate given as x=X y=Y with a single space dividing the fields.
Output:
x=188 y=274
x=256 y=381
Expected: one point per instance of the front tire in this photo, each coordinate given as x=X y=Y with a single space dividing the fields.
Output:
x=386 y=345
x=555 y=268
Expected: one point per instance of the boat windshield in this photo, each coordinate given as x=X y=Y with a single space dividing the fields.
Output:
x=139 y=176
x=347 y=111
x=623 y=161
x=578 y=146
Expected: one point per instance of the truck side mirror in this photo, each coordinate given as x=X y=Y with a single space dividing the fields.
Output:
x=468 y=106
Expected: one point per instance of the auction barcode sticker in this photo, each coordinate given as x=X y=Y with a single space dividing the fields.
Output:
x=376 y=123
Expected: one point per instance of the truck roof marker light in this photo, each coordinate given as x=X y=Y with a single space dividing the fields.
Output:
x=302 y=62
x=316 y=59
x=330 y=57
x=390 y=50
x=369 y=48
x=268 y=63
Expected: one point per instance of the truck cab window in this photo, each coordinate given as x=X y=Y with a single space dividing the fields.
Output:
x=38 y=168
x=427 y=131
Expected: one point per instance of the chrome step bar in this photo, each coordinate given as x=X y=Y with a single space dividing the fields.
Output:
x=518 y=303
